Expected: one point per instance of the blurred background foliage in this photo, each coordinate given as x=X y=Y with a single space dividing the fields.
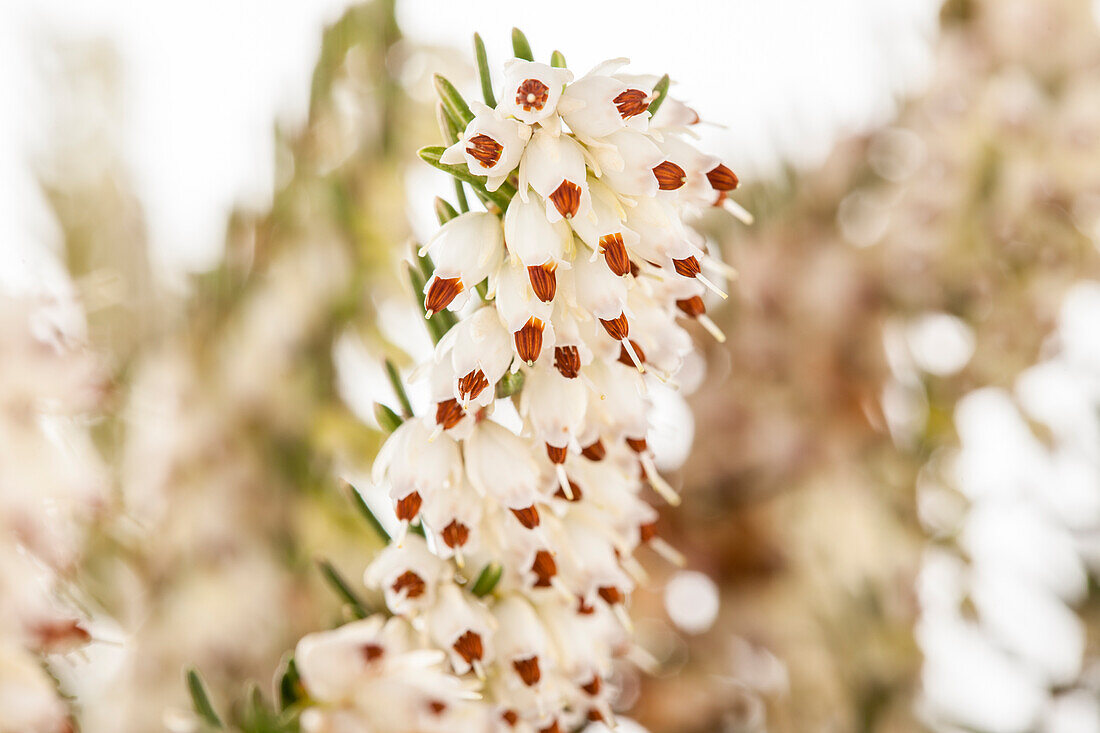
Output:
x=225 y=426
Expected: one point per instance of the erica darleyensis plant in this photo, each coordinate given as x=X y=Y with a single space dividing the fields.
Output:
x=507 y=585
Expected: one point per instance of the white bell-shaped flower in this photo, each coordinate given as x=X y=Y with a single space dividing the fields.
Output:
x=605 y=232
x=603 y=294
x=460 y=624
x=538 y=244
x=465 y=250
x=491 y=145
x=618 y=400
x=684 y=170
x=480 y=353
x=571 y=349
x=593 y=570
x=415 y=463
x=584 y=656
x=450 y=414
x=499 y=464
x=554 y=407
x=526 y=317
x=626 y=160
x=555 y=167
x=331 y=662
x=531 y=90
x=454 y=517
x=407 y=574
x=590 y=105
x=521 y=640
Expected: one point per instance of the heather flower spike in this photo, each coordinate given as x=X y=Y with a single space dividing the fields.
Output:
x=507 y=585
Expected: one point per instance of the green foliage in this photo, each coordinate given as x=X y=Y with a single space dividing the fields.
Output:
x=200 y=700
x=342 y=589
x=520 y=47
x=483 y=72
x=487 y=580
x=661 y=90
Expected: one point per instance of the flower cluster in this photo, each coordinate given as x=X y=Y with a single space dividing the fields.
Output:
x=508 y=602
x=1031 y=537
x=51 y=482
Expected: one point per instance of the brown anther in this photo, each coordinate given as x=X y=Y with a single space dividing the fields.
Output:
x=638 y=445
x=634 y=269
x=528 y=670
x=647 y=531
x=585 y=609
x=56 y=635
x=544 y=568
x=614 y=253
x=511 y=717
x=527 y=516
x=469 y=646
x=532 y=95
x=692 y=306
x=594 y=452
x=411 y=583
x=722 y=178
x=669 y=176
x=485 y=150
x=624 y=355
x=529 y=340
x=543 y=280
x=611 y=594
x=555 y=454
x=441 y=292
x=448 y=413
x=687 y=267
x=552 y=728
x=617 y=328
x=593 y=687
x=631 y=103
x=455 y=533
x=577 y=493
x=370 y=652
x=567 y=199
x=437 y=707
x=408 y=507
x=472 y=384
x=595 y=716
x=567 y=360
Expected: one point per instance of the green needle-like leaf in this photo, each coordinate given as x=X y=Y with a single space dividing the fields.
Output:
x=201 y=700
x=511 y=383
x=365 y=511
x=333 y=577
x=661 y=90
x=500 y=197
x=399 y=388
x=290 y=688
x=483 y=72
x=460 y=194
x=487 y=580
x=520 y=47
x=444 y=211
x=557 y=59
x=453 y=102
x=387 y=419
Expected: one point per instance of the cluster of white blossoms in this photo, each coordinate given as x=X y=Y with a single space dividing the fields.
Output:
x=507 y=605
x=1018 y=658
x=51 y=483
